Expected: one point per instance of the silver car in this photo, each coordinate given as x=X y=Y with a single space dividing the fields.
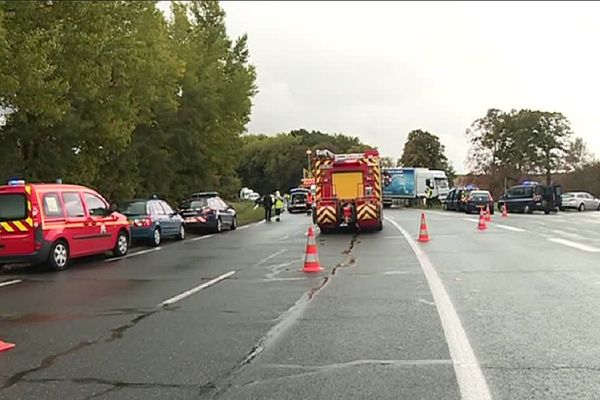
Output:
x=580 y=201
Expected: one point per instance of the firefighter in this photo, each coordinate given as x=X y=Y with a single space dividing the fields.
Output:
x=267 y=203
x=428 y=196
x=278 y=205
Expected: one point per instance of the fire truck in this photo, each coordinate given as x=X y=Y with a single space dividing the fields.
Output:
x=348 y=190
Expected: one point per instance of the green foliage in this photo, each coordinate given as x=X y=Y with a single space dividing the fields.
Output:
x=270 y=163
x=112 y=95
x=517 y=143
x=423 y=149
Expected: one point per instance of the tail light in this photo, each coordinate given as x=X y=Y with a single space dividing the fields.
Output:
x=35 y=215
x=207 y=211
x=142 y=222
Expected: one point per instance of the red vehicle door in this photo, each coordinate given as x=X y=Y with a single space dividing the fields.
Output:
x=78 y=229
x=103 y=231
x=16 y=226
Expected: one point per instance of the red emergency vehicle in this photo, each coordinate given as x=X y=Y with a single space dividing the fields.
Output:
x=348 y=190
x=54 y=223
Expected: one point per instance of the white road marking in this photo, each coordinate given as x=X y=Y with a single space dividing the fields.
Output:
x=252 y=224
x=201 y=237
x=393 y=237
x=267 y=258
x=7 y=283
x=472 y=220
x=137 y=253
x=509 y=228
x=471 y=381
x=568 y=234
x=429 y=303
x=198 y=288
x=575 y=245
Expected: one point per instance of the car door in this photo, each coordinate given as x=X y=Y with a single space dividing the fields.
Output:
x=102 y=230
x=590 y=202
x=173 y=219
x=224 y=211
x=159 y=215
x=77 y=228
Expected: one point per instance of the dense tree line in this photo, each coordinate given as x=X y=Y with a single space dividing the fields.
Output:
x=424 y=149
x=269 y=163
x=113 y=95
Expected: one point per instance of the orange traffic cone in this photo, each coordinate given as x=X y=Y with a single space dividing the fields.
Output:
x=311 y=261
x=504 y=210
x=481 y=225
x=6 y=346
x=423 y=234
x=488 y=215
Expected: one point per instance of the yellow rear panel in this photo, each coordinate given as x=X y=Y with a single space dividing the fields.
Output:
x=348 y=185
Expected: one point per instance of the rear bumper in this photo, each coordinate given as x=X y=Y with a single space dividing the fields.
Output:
x=36 y=257
x=141 y=233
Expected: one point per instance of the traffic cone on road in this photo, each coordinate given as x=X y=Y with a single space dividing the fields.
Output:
x=504 y=211
x=488 y=215
x=6 y=346
x=423 y=233
x=311 y=261
x=481 y=225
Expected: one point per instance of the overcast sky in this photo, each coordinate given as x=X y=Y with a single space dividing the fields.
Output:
x=380 y=70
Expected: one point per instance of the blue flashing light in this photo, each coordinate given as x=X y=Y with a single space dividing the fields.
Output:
x=16 y=182
x=529 y=183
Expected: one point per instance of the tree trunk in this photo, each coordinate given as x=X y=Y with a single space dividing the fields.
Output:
x=548 y=177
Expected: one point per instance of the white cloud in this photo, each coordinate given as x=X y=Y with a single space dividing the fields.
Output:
x=381 y=69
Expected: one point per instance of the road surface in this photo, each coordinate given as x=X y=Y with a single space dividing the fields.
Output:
x=509 y=313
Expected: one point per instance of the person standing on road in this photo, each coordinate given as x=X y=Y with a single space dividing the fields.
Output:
x=268 y=205
x=428 y=196
x=278 y=205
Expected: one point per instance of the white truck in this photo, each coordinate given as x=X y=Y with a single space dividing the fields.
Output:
x=407 y=185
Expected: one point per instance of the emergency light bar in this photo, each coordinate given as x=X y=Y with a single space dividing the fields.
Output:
x=16 y=182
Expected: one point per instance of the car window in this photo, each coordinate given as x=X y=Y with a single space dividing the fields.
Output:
x=96 y=206
x=133 y=208
x=159 y=208
x=13 y=207
x=167 y=207
x=221 y=203
x=73 y=205
x=528 y=191
x=52 y=206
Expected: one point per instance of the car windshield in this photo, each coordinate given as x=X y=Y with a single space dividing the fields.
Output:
x=480 y=196
x=194 y=204
x=442 y=183
x=568 y=195
x=133 y=208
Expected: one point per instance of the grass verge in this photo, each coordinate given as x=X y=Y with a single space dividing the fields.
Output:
x=246 y=214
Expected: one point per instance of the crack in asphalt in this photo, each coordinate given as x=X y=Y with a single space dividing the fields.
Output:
x=287 y=319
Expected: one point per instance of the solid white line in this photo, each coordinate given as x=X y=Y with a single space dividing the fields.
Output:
x=509 y=228
x=471 y=381
x=137 y=253
x=575 y=245
x=201 y=237
x=471 y=219
x=198 y=288
x=264 y=260
x=10 y=282
x=252 y=224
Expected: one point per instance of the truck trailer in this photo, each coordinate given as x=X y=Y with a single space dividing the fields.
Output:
x=348 y=191
x=407 y=185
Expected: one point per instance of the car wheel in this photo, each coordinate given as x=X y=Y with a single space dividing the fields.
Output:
x=181 y=234
x=219 y=226
x=58 y=259
x=156 y=237
x=233 y=226
x=581 y=207
x=527 y=209
x=122 y=245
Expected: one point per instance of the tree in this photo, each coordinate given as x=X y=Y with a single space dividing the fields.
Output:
x=578 y=157
x=423 y=149
x=387 y=162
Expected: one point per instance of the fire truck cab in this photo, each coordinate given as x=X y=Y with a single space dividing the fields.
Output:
x=348 y=190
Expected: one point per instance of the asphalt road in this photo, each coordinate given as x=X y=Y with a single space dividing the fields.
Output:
x=508 y=313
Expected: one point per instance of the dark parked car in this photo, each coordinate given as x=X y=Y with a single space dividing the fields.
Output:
x=152 y=220
x=299 y=200
x=457 y=198
x=479 y=200
x=532 y=196
x=207 y=211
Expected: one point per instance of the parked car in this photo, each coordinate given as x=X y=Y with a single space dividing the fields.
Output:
x=207 y=211
x=479 y=200
x=299 y=200
x=456 y=199
x=54 y=223
x=152 y=220
x=531 y=196
x=580 y=201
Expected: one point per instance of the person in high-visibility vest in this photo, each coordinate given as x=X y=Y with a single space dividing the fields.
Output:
x=428 y=196
x=278 y=205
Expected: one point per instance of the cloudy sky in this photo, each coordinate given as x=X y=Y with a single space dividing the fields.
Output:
x=379 y=70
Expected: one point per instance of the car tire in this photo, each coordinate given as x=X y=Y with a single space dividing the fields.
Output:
x=122 y=245
x=156 y=237
x=581 y=207
x=181 y=234
x=219 y=226
x=527 y=210
x=58 y=259
x=380 y=225
x=233 y=226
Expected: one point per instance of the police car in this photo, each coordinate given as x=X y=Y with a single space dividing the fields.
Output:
x=54 y=223
x=532 y=196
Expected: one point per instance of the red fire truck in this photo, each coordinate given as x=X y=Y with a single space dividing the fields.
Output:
x=348 y=190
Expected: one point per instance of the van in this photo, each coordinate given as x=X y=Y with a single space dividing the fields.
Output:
x=54 y=223
x=532 y=196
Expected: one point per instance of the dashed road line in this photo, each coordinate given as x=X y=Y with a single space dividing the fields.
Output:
x=196 y=289
x=575 y=245
x=201 y=237
x=510 y=228
x=8 y=283
x=249 y=225
x=137 y=253
x=267 y=258
x=471 y=381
